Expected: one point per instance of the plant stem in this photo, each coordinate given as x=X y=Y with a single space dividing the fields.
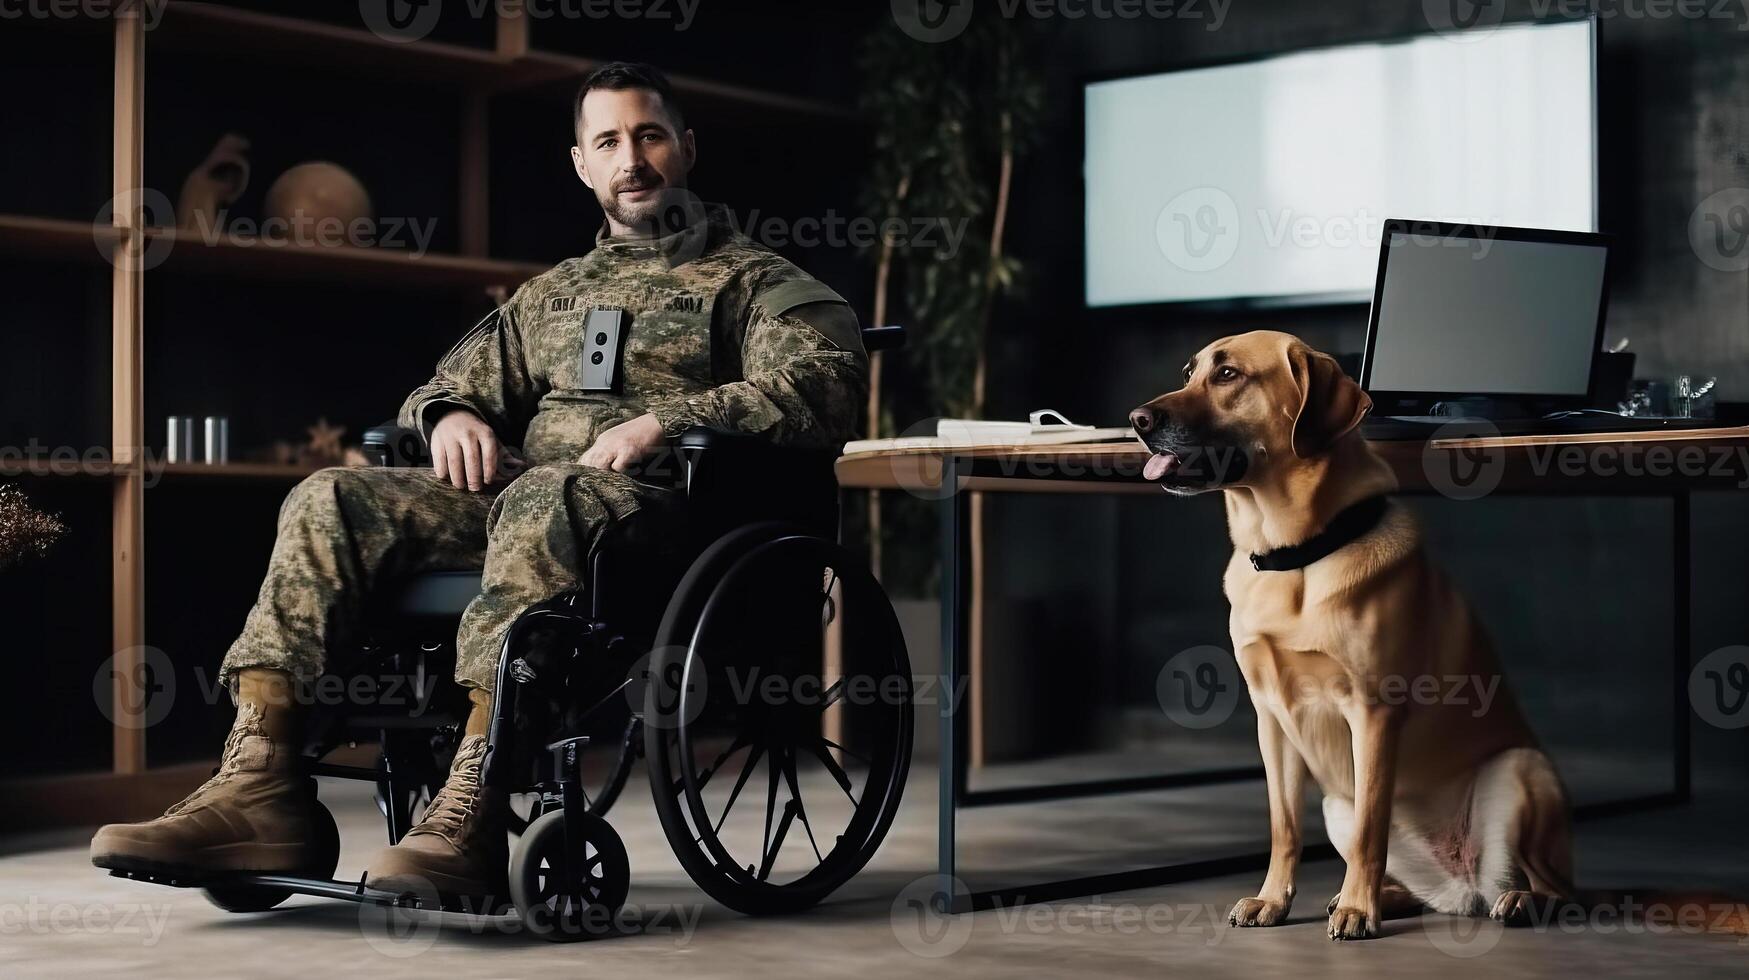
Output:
x=883 y=277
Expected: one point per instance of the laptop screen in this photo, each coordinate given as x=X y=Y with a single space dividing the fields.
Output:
x=1481 y=313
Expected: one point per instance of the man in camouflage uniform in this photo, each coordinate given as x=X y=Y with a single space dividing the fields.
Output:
x=721 y=332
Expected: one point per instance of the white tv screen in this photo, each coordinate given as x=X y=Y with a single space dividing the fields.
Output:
x=1271 y=180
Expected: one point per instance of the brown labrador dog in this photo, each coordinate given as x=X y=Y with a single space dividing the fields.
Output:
x=1365 y=665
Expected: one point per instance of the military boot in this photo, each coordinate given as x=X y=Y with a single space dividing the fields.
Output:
x=254 y=814
x=459 y=845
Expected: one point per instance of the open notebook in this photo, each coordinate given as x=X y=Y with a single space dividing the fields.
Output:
x=1044 y=427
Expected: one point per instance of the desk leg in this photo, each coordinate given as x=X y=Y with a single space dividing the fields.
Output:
x=1682 y=530
x=953 y=667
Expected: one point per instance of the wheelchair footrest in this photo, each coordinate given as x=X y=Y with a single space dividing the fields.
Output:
x=351 y=891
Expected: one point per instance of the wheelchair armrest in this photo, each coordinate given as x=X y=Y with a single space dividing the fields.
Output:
x=883 y=338
x=392 y=445
x=732 y=478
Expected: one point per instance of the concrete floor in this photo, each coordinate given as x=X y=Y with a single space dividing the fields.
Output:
x=60 y=917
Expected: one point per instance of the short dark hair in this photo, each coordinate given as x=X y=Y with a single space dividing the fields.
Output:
x=617 y=76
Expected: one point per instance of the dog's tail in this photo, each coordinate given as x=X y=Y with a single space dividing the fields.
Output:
x=1666 y=910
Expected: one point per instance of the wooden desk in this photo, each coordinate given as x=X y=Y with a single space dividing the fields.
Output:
x=1545 y=464
x=1666 y=464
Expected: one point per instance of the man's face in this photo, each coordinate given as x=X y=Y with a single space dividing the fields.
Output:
x=629 y=154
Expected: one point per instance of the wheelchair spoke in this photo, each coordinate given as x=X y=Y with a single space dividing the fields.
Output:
x=747 y=770
x=789 y=815
x=741 y=741
x=795 y=792
x=771 y=764
x=847 y=752
x=832 y=695
x=842 y=778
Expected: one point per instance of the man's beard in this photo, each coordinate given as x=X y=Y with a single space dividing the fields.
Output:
x=663 y=213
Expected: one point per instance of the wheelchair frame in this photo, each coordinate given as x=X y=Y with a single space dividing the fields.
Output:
x=569 y=874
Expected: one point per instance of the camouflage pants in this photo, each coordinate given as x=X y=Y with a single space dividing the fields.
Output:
x=345 y=532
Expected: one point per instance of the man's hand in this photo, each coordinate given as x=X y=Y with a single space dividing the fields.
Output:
x=465 y=451
x=626 y=444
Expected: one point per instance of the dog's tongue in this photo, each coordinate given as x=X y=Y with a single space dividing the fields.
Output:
x=1159 y=465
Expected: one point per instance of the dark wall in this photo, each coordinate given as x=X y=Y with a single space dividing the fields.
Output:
x=1674 y=118
x=1674 y=114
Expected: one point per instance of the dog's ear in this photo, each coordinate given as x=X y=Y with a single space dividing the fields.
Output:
x=1331 y=404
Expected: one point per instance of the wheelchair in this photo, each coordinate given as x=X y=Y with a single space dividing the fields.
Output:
x=703 y=652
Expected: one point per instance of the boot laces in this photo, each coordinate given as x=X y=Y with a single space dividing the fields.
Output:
x=457 y=800
x=248 y=723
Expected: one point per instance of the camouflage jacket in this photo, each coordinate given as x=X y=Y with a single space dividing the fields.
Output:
x=722 y=332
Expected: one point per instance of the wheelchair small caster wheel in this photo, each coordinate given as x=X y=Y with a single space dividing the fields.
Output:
x=564 y=901
x=325 y=841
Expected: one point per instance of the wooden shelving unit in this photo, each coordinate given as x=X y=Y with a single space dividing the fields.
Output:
x=57 y=240
x=262 y=258
x=512 y=66
x=261 y=472
x=266 y=259
x=473 y=76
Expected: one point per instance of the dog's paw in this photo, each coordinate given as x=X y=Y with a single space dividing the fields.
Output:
x=1347 y=923
x=1514 y=908
x=1248 y=912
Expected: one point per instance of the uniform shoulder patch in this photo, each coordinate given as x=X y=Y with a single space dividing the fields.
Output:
x=785 y=296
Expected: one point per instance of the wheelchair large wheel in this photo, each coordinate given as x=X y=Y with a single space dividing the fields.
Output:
x=736 y=686
x=325 y=841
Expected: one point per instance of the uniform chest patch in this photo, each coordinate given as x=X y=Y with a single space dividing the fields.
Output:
x=563 y=304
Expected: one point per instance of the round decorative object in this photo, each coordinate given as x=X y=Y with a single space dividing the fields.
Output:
x=315 y=192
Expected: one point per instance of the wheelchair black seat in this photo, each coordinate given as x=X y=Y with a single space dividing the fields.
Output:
x=436 y=594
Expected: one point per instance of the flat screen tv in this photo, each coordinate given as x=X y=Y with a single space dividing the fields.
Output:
x=1268 y=181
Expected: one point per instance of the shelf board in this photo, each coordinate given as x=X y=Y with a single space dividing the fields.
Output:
x=254 y=472
x=203 y=28
x=206 y=29
x=546 y=68
x=62 y=240
x=279 y=259
x=12 y=468
x=250 y=472
x=54 y=238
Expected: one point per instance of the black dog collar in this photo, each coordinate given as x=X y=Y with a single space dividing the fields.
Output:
x=1354 y=521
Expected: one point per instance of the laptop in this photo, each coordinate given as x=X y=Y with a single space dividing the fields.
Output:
x=1489 y=330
